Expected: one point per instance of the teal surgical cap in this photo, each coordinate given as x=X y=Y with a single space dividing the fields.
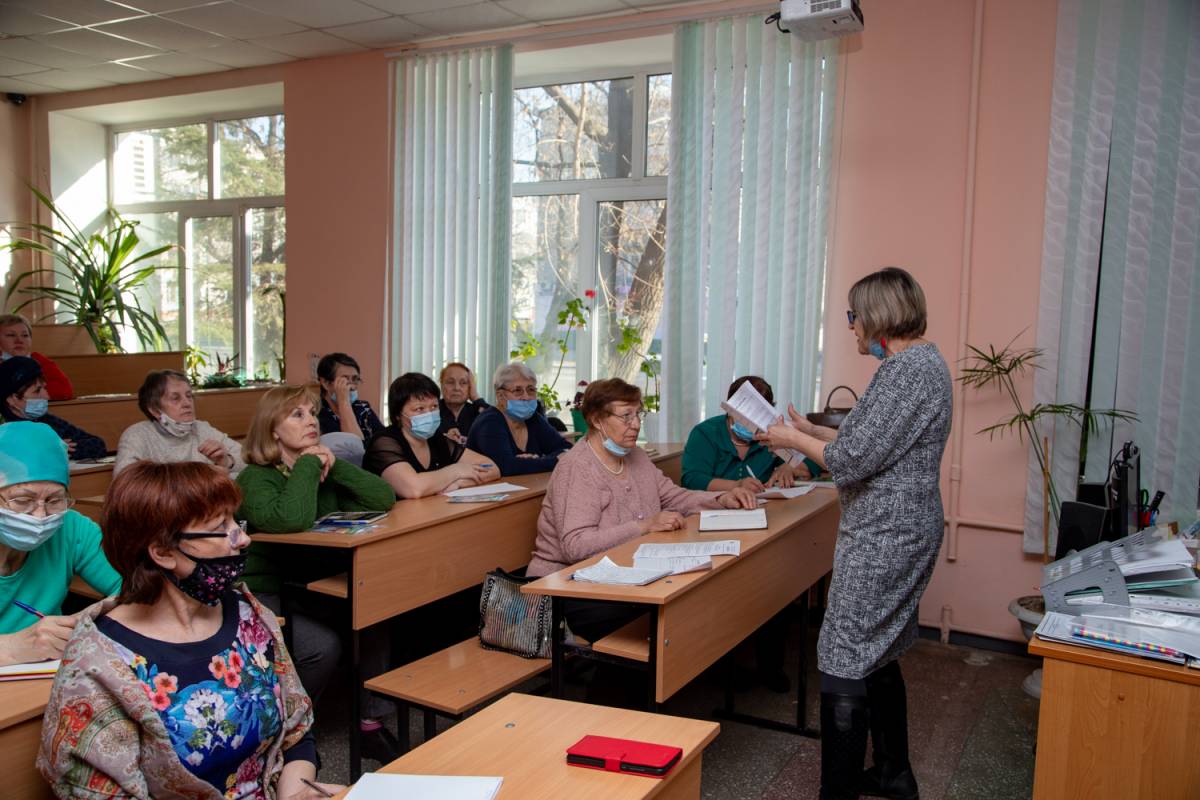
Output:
x=31 y=451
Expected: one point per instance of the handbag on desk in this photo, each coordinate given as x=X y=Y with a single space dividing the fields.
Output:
x=510 y=621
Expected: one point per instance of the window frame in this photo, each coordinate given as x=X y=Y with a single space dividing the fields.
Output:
x=594 y=191
x=237 y=208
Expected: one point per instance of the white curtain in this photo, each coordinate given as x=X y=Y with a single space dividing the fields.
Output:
x=748 y=202
x=449 y=293
x=1121 y=262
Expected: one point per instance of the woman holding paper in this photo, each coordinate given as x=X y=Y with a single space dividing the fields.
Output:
x=606 y=491
x=885 y=460
x=411 y=456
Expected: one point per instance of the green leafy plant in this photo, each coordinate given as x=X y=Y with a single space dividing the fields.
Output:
x=999 y=369
x=650 y=368
x=225 y=376
x=574 y=316
x=193 y=359
x=94 y=277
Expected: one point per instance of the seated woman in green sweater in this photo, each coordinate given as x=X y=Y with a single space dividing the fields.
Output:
x=290 y=480
x=43 y=543
x=720 y=454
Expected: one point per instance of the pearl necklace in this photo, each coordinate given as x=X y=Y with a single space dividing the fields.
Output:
x=610 y=470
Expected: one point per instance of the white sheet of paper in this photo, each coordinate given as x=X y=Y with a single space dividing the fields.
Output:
x=608 y=571
x=36 y=668
x=751 y=408
x=378 y=786
x=487 y=488
x=722 y=547
x=733 y=520
x=779 y=493
x=677 y=565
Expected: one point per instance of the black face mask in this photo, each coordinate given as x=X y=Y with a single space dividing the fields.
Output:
x=211 y=578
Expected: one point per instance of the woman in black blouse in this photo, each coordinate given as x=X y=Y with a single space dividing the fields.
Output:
x=460 y=403
x=411 y=456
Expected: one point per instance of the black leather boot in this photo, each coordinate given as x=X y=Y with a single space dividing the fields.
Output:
x=843 y=745
x=892 y=776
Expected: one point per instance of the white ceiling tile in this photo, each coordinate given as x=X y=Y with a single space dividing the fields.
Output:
x=541 y=11
x=93 y=43
x=234 y=21
x=176 y=64
x=161 y=6
x=23 y=86
x=417 y=6
x=380 y=33
x=650 y=3
x=71 y=80
x=43 y=55
x=317 y=13
x=241 y=54
x=9 y=67
x=466 y=19
x=163 y=33
x=81 y=12
x=308 y=44
x=16 y=21
x=121 y=73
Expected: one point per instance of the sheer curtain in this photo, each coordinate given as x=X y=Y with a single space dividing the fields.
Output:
x=748 y=201
x=1121 y=262
x=449 y=293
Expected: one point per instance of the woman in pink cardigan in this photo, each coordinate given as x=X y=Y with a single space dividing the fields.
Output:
x=605 y=491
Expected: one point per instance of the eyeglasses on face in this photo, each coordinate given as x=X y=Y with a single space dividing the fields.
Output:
x=631 y=417
x=227 y=534
x=851 y=315
x=27 y=505
x=521 y=392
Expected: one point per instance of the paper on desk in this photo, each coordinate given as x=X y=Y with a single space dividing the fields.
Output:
x=676 y=565
x=733 y=520
x=607 y=571
x=487 y=488
x=778 y=492
x=723 y=547
x=378 y=786
x=25 y=672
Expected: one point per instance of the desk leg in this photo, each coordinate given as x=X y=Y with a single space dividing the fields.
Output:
x=652 y=663
x=556 y=647
x=356 y=682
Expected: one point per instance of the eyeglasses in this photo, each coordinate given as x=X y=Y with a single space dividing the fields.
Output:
x=189 y=535
x=629 y=418
x=851 y=315
x=27 y=505
x=521 y=392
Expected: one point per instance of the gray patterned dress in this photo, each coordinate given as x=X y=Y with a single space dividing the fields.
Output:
x=886 y=462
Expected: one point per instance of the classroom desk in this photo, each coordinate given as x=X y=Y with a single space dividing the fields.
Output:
x=428 y=549
x=90 y=480
x=696 y=618
x=94 y=373
x=524 y=739
x=22 y=704
x=227 y=410
x=1115 y=727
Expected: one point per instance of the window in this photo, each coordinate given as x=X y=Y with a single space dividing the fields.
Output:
x=216 y=188
x=589 y=215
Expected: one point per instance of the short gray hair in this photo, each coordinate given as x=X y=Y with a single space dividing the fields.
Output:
x=512 y=371
x=15 y=319
x=890 y=305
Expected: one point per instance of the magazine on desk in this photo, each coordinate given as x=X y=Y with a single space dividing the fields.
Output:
x=1132 y=631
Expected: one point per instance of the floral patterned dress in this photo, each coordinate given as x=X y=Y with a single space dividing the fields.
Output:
x=219 y=698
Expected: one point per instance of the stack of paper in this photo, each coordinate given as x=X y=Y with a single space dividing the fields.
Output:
x=676 y=565
x=485 y=489
x=1133 y=631
x=607 y=571
x=720 y=547
x=26 y=672
x=378 y=786
x=780 y=493
x=733 y=520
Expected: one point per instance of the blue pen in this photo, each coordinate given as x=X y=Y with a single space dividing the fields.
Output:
x=29 y=608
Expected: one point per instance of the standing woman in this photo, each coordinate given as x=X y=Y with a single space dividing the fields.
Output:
x=886 y=461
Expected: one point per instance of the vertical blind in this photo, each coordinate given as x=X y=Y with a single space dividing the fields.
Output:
x=748 y=203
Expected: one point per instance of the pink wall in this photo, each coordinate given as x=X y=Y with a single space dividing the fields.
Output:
x=904 y=182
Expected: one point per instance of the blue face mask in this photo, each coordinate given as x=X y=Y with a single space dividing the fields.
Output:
x=425 y=425
x=5 y=356
x=876 y=349
x=743 y=433
x=614 y=448
x=521 y=409
x=36 y=407
x=354 y=395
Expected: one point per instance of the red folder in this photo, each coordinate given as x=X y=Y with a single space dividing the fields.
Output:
x=624 y=755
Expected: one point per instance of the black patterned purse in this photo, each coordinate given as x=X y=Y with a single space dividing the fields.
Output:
x=510 y=621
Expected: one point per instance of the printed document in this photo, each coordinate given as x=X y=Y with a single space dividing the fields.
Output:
x=723 y=547
x=677 y=565
x=733 y=520
x=607 y=571
x=487 y=488
x=378 y=786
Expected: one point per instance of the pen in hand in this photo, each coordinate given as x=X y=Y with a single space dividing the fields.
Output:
x=315 y=788
x=28 y=608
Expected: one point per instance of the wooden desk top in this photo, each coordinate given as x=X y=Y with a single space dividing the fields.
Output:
x=782 y=515
x=411 y=515
x=524 y=739
x=1106 y=659
x=22 y=700
x=132 y=397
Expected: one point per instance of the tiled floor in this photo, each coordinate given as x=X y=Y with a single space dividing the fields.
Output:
x=972 y=730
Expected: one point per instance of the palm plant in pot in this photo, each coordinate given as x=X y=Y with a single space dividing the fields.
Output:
x=94 y=277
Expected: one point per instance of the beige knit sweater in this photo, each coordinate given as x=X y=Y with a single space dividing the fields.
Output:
x=146 y=441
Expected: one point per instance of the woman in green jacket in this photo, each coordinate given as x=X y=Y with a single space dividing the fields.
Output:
x=290 y=481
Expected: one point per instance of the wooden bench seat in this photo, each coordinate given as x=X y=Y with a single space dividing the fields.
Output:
x=452 y=682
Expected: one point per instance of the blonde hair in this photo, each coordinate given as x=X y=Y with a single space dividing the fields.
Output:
x=14 y=319
x=890 y=305
x=260 y=446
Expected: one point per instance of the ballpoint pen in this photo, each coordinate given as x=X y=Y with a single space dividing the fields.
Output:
x=29 y=608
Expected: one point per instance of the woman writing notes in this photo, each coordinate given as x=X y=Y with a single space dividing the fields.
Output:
x=885 y=460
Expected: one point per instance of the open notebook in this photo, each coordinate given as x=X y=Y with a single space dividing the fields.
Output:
x=26 y=672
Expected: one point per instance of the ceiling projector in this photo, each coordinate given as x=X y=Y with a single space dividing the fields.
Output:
x=814 y=20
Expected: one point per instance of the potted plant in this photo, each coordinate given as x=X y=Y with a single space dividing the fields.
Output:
x=94 y=277
x=225 y=376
